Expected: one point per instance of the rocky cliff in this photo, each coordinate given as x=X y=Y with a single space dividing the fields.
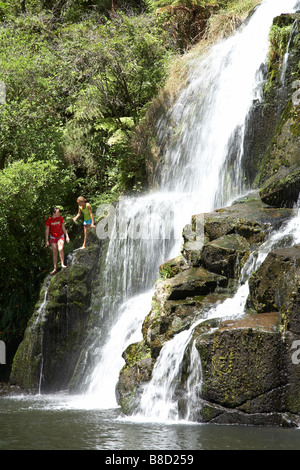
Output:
x=250 y=371
x=272 y=143
x=245 y=362
x=50 y=356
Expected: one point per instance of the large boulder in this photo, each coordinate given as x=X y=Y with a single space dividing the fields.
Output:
x=230 y=234
x=136 y=371
x=283 y=188
x=55 y=335
x=250 y=372
x=226 y=254
x=189 y=283
x=274 y=281
x=242 y=371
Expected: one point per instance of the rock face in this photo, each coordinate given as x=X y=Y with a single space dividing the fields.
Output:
x=283 y=188
x=248 y=376
x=273 y=283
x=250 y=366
x=47 y=357
x=279 y=119
x=242 y=372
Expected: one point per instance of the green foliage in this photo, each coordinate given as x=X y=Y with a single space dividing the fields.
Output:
x=279 y=37
x=27 y=191
x=74 y=94
x=77 y=91
x=29 y=125
x=127 y=63
x=131 y=68
x=4 y=9
x=156 y=4
x=165 y=272
x=70 y=10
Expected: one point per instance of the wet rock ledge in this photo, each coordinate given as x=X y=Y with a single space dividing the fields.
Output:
x=49 y=358
x=248 y=373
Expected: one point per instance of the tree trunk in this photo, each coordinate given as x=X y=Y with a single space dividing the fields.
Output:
x=23 y=6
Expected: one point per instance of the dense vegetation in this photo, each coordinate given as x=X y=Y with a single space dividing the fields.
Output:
x=76 y=81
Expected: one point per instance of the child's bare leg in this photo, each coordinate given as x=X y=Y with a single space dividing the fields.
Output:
x=61 y=253
x=85 y=227
x=54 y=253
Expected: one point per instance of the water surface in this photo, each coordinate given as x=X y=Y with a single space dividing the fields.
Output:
x=58 y=423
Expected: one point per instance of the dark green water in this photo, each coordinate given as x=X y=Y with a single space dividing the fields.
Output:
x=58 y=423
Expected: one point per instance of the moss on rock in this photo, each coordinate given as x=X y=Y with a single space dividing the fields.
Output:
x=47 y=356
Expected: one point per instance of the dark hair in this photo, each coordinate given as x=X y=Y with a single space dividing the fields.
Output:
x=54 y=209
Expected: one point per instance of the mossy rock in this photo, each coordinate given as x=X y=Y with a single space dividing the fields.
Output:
x=275 y=280
x=136 y=352
x=172 y=267
x=225 y=255
x=136 y=371
x=283 y=188
x=53 y=339
x=231 y=233
x=189 y=283
x=250 y=218
x=279 y=173
x=241 y=362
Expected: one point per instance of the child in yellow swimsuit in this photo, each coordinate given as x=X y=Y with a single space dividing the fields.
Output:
x=88 y=218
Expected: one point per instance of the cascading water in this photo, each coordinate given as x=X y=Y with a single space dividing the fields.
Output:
x=157 y=401
x=197 y=176
x=287 y=53
x=141 y=237
x=40 y=317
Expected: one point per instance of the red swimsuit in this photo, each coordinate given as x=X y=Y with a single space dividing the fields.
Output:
x=56 y=231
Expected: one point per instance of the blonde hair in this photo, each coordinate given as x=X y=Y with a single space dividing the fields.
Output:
x=81 y=199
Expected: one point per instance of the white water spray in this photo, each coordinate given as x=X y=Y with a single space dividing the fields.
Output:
x=196 y=177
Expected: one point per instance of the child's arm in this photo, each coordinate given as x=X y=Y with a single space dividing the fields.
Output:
x=78 y=215
x=47 y=235
x=65 y=232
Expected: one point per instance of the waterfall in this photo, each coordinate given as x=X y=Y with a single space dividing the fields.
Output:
x=39 y=319
x=200 y=172
x=158 y=401
x=287 y=53
x=143 y=232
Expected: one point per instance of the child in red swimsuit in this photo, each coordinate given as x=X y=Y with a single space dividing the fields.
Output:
x=56 y=227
